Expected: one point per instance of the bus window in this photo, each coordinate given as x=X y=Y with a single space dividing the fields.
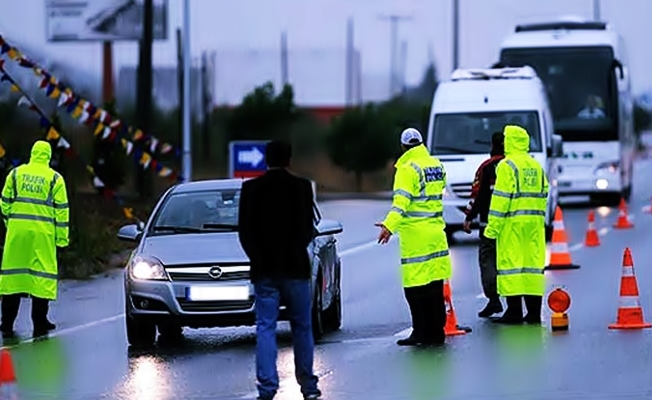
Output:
x=580 y=85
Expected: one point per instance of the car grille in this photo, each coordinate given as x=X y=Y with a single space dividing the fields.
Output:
x=462 y=190
x=200 y=273
x=213 y=306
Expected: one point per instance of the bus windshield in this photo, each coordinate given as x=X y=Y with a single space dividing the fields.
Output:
x=580 y=85
x=470 y=133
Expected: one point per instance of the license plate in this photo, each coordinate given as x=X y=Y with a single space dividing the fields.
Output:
x=217 y=293
x=564 y=184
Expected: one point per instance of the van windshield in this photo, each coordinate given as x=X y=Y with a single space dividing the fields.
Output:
x=470 y=133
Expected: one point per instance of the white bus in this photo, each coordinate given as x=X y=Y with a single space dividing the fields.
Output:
x=584 y=68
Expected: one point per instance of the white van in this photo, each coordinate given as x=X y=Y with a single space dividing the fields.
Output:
x=468 y=109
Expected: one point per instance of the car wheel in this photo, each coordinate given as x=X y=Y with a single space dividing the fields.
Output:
x=317 y=321
x=139 y=333
x=333 y=315
x=170 y=331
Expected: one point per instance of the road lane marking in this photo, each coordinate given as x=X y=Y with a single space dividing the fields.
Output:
x=67 y=331
x=358 y=249
x=404 y=332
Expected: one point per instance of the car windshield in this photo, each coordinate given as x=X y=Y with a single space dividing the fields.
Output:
x=470 y=133
x=580 y=85
x=199 y=211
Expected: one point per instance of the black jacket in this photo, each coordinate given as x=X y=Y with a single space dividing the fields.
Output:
x=276 y=225
x=482 y=189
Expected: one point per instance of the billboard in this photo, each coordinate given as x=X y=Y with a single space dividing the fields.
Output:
x=102 y=20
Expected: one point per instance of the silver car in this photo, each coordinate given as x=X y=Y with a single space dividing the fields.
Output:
x=189 y=270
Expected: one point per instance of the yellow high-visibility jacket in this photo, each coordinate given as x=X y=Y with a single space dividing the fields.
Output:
x=34 y=205
x=517 y=218
x=417 y=216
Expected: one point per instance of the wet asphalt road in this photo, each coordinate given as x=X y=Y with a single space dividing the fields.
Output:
x=87 y=358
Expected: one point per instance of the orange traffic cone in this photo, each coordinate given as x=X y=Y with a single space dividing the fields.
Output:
x=560 y=257
x=452 y=329
x=592 y=239
x=623 y=220
x=7 y=375
x=630 y=312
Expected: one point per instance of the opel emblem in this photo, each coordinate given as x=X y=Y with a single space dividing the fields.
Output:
x=215 y=272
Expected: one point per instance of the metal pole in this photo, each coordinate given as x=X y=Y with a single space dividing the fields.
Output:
x=596 y=10
x=349 y=62
x=393 y=78
x=187 y=134
x=456 y=34
x=285 y=79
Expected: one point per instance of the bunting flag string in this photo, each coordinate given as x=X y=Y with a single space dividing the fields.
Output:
x=55 y=137
x=135 y=142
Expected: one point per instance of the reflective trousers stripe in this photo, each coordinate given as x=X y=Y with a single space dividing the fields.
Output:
x=417 y=214
x=38 y=218
x=424 y=258
x=524 y=270
x=27 y=271
x=409 y=196
x=516 y=213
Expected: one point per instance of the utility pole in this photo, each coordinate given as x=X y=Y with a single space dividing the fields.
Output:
x=180 y=84
x=350 y=49
x=596 y=10
x=187 y=133
x=456 y=34
x=285 y=79
x=393 y=72
x=144 y=92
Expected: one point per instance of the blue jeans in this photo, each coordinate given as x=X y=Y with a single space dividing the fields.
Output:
x=297 y=298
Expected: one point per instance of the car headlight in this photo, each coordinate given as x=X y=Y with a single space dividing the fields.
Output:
x=148 y=269
x=610 y=166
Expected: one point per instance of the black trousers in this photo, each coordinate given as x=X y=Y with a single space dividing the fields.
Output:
x=487 y=258
x=11 y=304
x=428 y=311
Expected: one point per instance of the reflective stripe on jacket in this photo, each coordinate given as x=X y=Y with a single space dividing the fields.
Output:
x=417 y=216
x=517 y=218
x=34 y=206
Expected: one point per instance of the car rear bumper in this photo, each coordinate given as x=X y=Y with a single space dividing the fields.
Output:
x=166 y=302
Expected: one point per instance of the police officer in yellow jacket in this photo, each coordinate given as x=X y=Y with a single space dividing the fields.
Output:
x=34 y=207
x=516 y=220
x=417 y=216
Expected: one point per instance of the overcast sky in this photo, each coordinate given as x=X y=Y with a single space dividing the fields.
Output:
x=256 y=24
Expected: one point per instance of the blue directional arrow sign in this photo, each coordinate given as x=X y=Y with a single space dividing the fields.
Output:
x=247 y=159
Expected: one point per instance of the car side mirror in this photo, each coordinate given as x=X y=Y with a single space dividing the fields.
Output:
x=621 y=70
x=329 y=227
x=557 y=149
x=130 y=233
